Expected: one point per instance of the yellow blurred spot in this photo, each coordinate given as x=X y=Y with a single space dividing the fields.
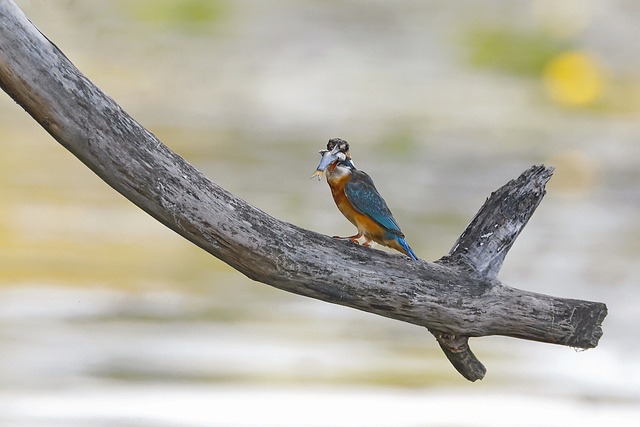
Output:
x=574 y=79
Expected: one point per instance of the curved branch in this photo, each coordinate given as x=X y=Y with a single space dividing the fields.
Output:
x=457 y=350
x=456 y=298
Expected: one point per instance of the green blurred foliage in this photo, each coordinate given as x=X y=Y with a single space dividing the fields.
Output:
x=511 y=50
x=175 y=13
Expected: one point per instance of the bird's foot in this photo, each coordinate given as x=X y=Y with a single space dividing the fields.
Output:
x=353 y=239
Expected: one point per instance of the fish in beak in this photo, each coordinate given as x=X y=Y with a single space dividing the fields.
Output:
x=328 y=158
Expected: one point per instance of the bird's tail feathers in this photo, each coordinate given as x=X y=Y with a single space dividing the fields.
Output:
x=406 y=248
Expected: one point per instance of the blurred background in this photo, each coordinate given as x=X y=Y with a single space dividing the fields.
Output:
x=109 y=319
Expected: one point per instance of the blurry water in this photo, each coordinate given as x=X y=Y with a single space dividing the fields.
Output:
x=109 y=319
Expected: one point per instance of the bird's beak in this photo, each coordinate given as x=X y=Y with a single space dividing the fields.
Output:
x=328 y=157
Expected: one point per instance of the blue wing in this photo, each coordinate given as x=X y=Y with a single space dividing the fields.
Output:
x=364 y=197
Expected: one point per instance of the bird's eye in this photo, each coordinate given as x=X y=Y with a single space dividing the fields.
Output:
x=341 y=156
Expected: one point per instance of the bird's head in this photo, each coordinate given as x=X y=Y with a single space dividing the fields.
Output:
x=337 y=152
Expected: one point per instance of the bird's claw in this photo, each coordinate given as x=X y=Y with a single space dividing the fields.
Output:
x=352 y=239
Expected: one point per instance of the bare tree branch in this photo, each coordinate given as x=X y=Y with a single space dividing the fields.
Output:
x=456 y=297
x=486 y=241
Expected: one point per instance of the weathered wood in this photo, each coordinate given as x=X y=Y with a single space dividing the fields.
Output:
x=457 y=297
x=457 y=350
x=483 y=245
x=486 y=241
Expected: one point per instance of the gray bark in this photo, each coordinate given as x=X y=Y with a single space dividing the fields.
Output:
x=456 y=297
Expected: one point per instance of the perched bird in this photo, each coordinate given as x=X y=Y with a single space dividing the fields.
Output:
x=358 y=200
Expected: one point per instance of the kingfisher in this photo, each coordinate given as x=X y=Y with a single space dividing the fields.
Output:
x=358 y=199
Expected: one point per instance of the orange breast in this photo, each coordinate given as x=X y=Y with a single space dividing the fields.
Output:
x=363 y=223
